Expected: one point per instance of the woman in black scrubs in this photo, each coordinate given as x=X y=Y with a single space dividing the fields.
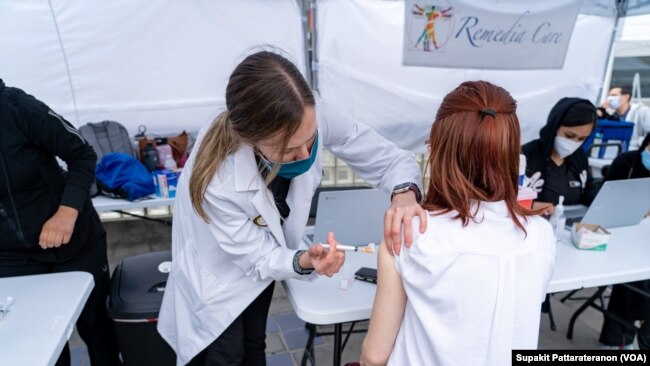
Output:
x=556 y=165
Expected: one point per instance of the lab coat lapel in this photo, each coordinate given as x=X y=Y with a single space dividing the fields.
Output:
x=248 y=178
x=299 y=201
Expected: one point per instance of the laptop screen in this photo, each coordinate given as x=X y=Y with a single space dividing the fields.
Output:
x=355 y=216
x=620 y=203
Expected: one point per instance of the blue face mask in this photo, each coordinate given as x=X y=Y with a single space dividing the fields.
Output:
x=645 y=158
x=293 y=169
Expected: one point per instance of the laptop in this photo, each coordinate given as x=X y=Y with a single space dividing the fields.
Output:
x=574 y=213
x=355 y=216
x=618 y=203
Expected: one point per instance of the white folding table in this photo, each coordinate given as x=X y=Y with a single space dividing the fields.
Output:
x=322 y=302
x=45 y=310
x=120 y=205
x=103 y=203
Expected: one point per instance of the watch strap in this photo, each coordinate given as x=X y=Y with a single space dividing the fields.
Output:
x=296 y=264
x=410 y=186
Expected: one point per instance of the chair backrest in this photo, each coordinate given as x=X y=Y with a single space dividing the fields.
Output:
x=609 y=133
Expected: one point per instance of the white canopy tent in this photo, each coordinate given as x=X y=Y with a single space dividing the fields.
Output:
x=165 y=64
x=162 y=64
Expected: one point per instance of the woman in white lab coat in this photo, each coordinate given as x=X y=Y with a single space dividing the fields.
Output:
x=242 y=205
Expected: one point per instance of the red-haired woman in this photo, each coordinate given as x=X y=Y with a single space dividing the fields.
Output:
x=469 y=289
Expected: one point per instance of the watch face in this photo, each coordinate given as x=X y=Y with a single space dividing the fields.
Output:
x=402 y=187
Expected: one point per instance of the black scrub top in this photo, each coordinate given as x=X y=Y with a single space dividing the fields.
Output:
x=561 y=181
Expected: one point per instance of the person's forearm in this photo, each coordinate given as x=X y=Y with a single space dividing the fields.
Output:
x=81 y=173
x=67 y=211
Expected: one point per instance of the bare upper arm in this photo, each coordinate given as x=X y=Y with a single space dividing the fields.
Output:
x=387 y=311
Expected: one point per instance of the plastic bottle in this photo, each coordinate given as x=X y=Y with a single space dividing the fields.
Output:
x=522 y=169
x=170 y=164
x=163 y=150
x=558 y=220
x=150 y=157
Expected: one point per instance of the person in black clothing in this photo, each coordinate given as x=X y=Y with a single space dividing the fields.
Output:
x=624 y=302
x=47 y=221
x=555 y=164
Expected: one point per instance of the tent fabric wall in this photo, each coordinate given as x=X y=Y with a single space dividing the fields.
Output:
x=360 y=71
x=162 y=64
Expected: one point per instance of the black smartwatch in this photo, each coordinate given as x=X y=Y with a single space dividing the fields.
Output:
x=405 y=187
x=296 y=264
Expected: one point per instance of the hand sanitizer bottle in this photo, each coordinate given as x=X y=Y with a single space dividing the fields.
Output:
x=557 y=219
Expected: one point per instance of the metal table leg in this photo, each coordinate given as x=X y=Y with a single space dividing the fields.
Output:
x=582 y=308
x=337 y=343
x=308 y=353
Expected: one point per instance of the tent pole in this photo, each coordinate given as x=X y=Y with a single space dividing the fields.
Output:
x=314 y=44
x=302 y=4
x=65 y=61
x=621 y=10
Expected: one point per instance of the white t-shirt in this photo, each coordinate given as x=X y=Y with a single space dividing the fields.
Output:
x=474 y=292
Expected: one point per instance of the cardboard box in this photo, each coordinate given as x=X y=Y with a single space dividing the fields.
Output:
x=165 y=182
x=590 y=237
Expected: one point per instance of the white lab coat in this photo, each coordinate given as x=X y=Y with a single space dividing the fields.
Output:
x=218 y=269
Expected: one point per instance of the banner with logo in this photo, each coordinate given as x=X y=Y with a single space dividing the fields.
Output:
x=360 y=70
x=488 y=35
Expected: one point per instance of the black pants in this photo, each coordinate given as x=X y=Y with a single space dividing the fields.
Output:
x=244 y=341
x=629 y=306
x=93 y=325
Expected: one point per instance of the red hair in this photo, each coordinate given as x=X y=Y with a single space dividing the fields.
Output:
x=474 y=155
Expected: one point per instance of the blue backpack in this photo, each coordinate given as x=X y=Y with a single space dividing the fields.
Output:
x=121 y=175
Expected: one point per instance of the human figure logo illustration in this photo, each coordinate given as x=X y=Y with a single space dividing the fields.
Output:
x=428 y=35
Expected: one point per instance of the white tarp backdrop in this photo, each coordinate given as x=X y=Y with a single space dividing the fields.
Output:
x=360 y=70
x=464 y=34
x=162 y=64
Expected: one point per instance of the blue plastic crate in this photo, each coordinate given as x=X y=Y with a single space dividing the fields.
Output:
x=611 y=131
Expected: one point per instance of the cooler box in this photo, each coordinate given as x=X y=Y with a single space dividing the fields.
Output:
x=137 y=289
x=526 y=196
x=612 y=132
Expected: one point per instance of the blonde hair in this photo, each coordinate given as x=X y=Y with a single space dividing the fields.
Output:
x=266 y=96
x=218 y=143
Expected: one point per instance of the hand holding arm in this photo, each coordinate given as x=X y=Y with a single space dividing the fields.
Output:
x=398 y=217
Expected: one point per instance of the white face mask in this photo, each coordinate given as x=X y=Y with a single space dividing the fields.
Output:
x=614 y=101
x=565 y=147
